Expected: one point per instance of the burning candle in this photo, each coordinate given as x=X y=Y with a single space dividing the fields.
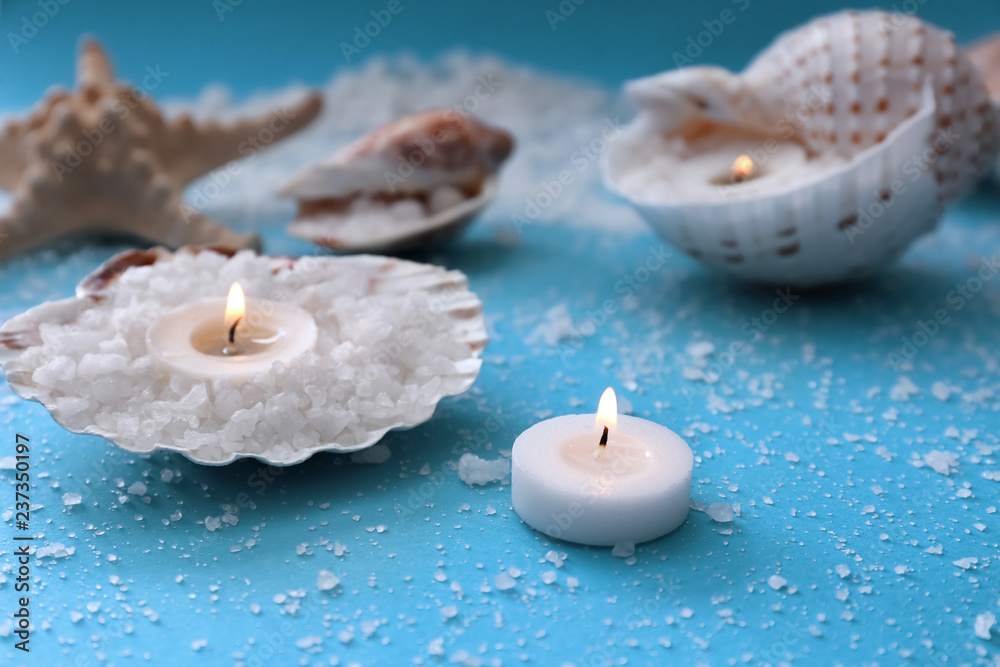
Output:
x=601 y=479
x=215 y=338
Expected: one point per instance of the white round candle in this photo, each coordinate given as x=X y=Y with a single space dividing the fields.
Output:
x=634 y=489
x=194 y=340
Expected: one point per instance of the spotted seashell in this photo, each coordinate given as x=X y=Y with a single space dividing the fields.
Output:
x=894 y=121
x=872 y=67
x=417 y=180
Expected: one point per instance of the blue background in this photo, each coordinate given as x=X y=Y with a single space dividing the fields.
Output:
x=162 y=583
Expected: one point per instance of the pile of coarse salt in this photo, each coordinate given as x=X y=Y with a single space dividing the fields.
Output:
x=384 y=357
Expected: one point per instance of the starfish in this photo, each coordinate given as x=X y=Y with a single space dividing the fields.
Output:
x=103 y=160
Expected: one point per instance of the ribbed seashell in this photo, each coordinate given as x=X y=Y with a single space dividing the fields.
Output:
x=384 y=276
x=419 y=179
x=863 y=93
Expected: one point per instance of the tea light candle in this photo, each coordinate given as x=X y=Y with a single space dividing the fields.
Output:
x=716 y=163
x=215 y=338
x=601 y=479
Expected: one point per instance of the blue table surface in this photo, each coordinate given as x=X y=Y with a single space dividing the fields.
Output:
x=808 y=425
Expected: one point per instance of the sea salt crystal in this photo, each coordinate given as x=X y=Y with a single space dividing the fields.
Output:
x=623 y=550
x=451 y=611
x=326 y=580
x=308 y=642
x=558 y=325
x=555 y=557
x=942 y=462
x=721 y=512
x=984 y=622
x=843 y=570
x=137 y=489
x=776 y=582
x=213 y=523
x=70 y=499
x=966 y=563
x=474 y=470
x=549 y=577
x=504 y=582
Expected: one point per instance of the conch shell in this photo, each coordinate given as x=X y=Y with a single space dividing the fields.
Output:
x=102 y=159
x=893 y=116
x=419 y=179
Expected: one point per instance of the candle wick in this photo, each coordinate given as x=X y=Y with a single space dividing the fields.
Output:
x=604 y=437
x=232 y=330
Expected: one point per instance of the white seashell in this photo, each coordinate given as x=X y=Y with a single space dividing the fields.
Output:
x=102 y=159
x=418 y=180
x=866 y=124
x=459 y=320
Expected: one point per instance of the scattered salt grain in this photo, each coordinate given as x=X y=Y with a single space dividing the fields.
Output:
x=137 y=489
x=721 y=512
x=327 y=581
x=70 y=499
x=942 y=462
x=623 y=550
x=504 y=582
x=984 y=622
x=474 y=470
x=776 y=582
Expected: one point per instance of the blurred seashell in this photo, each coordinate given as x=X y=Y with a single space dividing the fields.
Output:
x=865 y=123
x=102 y=159
x=985 y=55
x=418 y=180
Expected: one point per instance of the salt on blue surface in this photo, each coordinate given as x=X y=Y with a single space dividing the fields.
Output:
x=797 y=425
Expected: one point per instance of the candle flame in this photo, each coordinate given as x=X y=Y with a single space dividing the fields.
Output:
x=235 y=305
x=743 y=167
x=607 y=410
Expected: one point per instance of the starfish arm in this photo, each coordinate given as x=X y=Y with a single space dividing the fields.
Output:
x=93 y=68
x=200 y=148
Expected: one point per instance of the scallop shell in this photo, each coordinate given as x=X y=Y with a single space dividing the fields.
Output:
x=865 y=94
x=420 y=179
x=20 y=337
